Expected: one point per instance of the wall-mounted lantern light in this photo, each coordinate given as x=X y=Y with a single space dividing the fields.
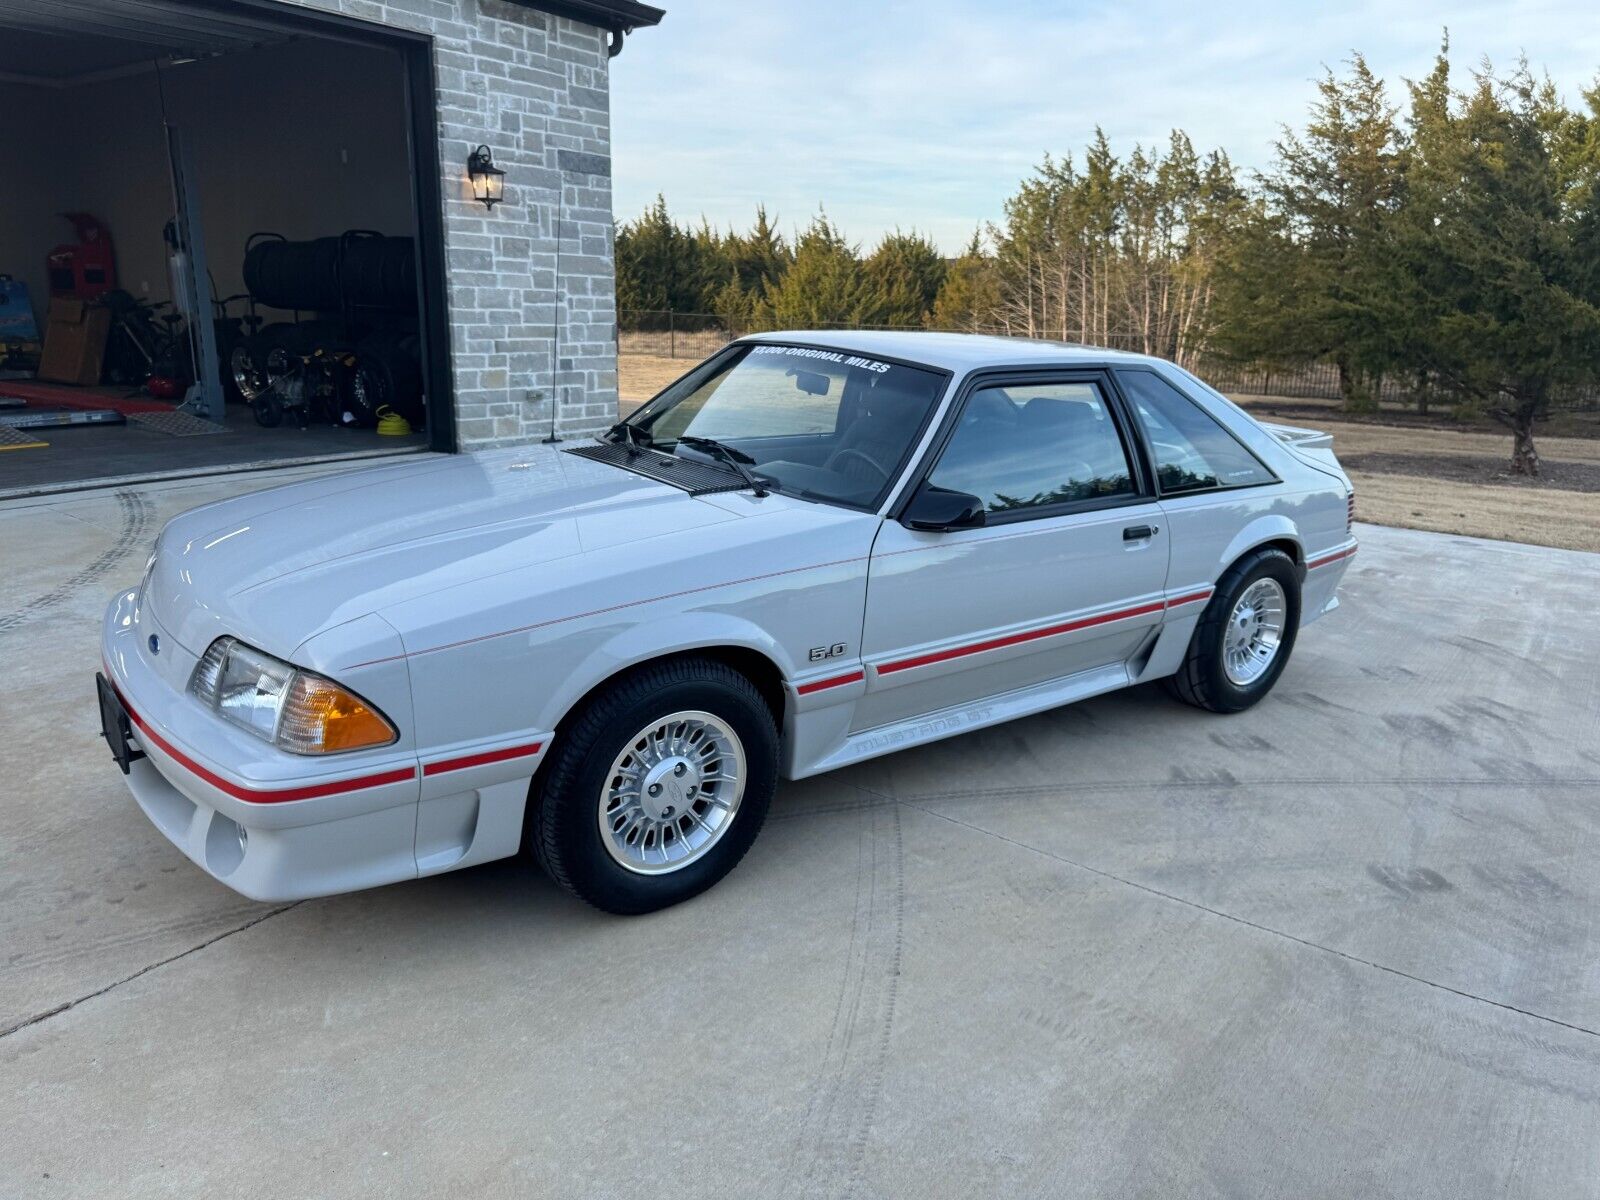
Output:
x=488 y=180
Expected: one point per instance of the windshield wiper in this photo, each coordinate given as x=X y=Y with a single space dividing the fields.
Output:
x=734 y=458
x=637 y=439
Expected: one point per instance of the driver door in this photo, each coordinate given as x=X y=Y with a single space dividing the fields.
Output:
x=1066 y=575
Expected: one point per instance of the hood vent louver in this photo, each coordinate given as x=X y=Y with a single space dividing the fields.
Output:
x=698 y=479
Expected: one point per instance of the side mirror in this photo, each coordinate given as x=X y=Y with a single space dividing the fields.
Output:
x=937 y=509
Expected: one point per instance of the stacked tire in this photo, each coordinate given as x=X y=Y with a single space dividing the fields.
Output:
x=300 y=276
x=370 y=280
x=358 y=269
x=378 y=272
x=386 y=373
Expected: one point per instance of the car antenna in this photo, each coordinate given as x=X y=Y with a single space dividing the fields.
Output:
x=556 y=308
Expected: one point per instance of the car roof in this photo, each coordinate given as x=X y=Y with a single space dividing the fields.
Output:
x=958 y=352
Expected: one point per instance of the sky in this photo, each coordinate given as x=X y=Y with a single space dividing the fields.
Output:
x=926 y=115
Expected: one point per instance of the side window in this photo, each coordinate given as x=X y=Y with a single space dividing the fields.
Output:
x=1193 y=452
x=1041 y=443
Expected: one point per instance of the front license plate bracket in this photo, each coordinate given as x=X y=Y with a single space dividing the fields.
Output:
x=114 y=725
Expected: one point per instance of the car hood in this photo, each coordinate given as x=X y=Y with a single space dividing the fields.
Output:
x=279 y=566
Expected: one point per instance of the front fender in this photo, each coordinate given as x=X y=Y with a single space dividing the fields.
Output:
x=677 y=634
x=382 y=676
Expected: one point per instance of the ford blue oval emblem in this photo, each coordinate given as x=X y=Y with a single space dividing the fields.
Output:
x=155 y=644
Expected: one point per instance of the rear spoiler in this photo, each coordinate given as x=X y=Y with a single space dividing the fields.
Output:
x=1300 y=439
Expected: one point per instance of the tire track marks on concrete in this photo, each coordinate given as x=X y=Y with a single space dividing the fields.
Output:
x=829 y=1154
x=69 y=1005
x=103 y=943
x=136 y=512
x=1245 y=922
x=1184 y=786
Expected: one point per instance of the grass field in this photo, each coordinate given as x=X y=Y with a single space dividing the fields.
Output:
x=1416 y=473
x=640 y=376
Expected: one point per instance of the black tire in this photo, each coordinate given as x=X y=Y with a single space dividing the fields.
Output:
x=268 y=410
x=366 y=388
x=228 y=332
x=393 y=358
x=1202 y=680
x=563 y=829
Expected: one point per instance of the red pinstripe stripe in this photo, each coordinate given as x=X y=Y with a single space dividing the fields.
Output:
x=1349 y=552
x=478 y=760
x=805 y=689
x=260 y=796
x=1016 y=639
x=1204 y=594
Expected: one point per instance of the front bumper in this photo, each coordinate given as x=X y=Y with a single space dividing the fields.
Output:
x=276 y=826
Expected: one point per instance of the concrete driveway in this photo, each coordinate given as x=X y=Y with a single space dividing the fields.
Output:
x=1345 y=944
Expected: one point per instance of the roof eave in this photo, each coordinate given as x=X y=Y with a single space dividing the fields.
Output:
x=619 y=16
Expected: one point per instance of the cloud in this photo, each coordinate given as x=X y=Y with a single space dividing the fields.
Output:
x=927 y=115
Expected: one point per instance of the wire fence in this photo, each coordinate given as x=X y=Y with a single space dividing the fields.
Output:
x=694 y=336
x=671 y=334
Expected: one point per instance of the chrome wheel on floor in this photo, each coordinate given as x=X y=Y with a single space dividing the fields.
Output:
x=249 y=378
x=1254 y=631
x=672 y=793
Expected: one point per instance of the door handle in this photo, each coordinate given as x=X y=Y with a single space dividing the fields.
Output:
x=1135 y=533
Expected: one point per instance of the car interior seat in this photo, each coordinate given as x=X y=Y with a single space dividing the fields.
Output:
x=1078 y=436
x=889 y=414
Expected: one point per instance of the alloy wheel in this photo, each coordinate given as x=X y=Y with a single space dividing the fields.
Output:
x=672 y=792
x=1254 y=632
x=250 y=380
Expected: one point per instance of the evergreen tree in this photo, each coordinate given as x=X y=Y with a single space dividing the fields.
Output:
x=749 y=264
x=970 y=294
x=1498 y=246
x=824 y=285
x=904 y=275
x=759 y=257
x=1309 y=277
x=659 y=266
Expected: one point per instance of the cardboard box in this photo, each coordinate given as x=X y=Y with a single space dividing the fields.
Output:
x=74 y=342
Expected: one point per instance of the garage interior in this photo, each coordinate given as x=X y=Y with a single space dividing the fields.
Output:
x=164 y=159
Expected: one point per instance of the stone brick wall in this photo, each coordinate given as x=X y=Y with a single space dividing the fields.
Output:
x=535 y=89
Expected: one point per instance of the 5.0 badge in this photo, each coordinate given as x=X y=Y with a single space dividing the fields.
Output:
x=823 y=653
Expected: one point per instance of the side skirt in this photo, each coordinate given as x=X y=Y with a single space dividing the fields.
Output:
x=995 y=710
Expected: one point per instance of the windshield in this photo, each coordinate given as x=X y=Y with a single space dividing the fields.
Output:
x=824 y=424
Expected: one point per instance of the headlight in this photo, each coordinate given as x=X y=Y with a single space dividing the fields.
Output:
x=293 y=709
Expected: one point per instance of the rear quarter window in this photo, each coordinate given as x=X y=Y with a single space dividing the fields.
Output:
x=1192 y=450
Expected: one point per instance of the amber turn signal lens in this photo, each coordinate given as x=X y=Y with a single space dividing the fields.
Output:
x=320 y=717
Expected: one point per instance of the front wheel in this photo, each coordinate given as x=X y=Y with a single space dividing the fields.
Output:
x=1244 y=637
x=656 y=788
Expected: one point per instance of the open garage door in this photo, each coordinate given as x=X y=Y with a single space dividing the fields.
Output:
x=229 y=190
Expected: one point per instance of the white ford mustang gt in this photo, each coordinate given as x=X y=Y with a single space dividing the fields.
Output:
x=810 y=550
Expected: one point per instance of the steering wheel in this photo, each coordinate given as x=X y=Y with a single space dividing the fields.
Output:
x=849 y=452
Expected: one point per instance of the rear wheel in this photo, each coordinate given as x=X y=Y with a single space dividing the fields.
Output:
x=656 y=788
x=1244 y=637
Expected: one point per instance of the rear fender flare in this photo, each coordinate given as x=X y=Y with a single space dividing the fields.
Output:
x=1269 y=527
